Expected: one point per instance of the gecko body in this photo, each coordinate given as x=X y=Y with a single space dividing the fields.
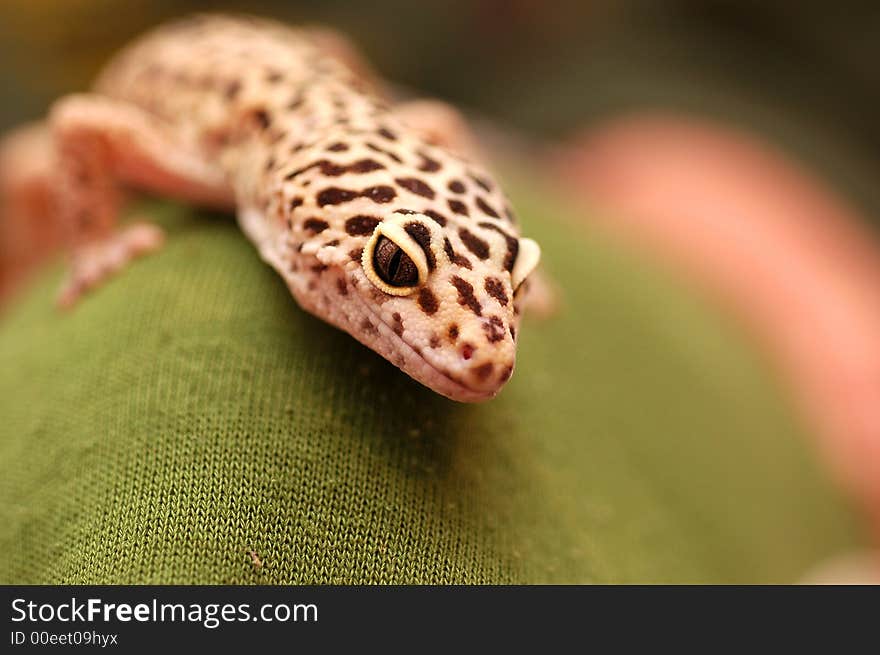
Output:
x=375 y=222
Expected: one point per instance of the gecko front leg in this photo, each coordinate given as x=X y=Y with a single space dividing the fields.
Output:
x=103 y=146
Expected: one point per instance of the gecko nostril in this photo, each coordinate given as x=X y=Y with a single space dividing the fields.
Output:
x=467 y=351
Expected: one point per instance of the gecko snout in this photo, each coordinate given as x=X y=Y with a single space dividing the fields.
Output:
x=484 y=359
x=484 y=371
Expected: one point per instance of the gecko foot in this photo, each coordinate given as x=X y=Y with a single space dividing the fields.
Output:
x=542 y=299
x=95 y=263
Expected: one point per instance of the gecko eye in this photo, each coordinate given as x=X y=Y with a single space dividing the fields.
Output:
x=392 y=265
x=392 y=260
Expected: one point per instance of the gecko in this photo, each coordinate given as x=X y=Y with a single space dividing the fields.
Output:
x=378 y=216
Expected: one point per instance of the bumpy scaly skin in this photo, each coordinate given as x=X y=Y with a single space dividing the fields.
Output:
x=316 y=163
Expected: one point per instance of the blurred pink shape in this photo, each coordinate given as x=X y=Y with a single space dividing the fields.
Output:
x=796 y=262
x=29 y=229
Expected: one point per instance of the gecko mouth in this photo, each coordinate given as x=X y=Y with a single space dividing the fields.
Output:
x=415 y=364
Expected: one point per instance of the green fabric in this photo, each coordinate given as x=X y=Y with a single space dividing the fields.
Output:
x=190 y=412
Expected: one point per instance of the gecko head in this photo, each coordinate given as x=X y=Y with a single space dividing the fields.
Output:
x=441 y=303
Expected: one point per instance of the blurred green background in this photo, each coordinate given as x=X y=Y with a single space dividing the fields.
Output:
x=805 y=75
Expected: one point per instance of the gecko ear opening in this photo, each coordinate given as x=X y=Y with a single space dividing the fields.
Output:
x=393 y=261
x=527 y=259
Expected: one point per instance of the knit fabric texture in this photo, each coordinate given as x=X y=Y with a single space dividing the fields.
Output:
x=188 y=423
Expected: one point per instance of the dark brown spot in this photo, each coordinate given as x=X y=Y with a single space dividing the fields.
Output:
x=458 y=207
x=361 y=225
x=512 y=244
x=379 y=194
x=295 y=102
x=385 y=152
x=330 y=169
x=466 y=297
x=495 y=288
x=434 y=342
x=437 y=217
x=428 y=301
x=422 y=236
x=454 y=257
x=494 y=329
x=262 y=118
x=483 y=371
x=341 y=287
x=315 y=225
x=319 y=268
x=295 y=202
x=453 y=332
x=416 y=186
x=364 y=166
x=332 y=243
x=398 y=324
x=367 y=326
x=428 y=164
x=335 y=196
x=486 y=208
x=274 y=76
x=456 y=186
x=356 y=254
x=339 y=146
x=232 y=89
x=482 y=182
x=387 y=134
x=474 y=243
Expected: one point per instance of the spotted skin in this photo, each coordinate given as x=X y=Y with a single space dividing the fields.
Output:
x=314 y=160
